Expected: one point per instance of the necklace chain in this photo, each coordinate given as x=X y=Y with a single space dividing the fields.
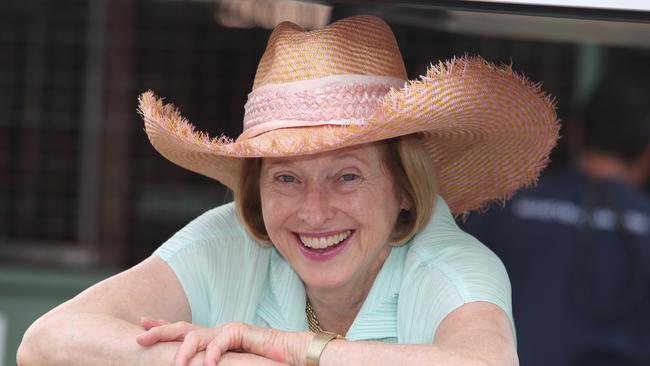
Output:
x=314 y=326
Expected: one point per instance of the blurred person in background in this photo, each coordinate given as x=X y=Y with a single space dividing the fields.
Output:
x=577 y=246
x=345 y=181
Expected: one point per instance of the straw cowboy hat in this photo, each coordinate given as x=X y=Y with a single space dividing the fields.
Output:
x=489 y=131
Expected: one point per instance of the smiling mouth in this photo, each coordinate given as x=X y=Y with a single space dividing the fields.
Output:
x=324 y=243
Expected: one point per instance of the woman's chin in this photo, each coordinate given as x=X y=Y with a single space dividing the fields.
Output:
x=324 y=281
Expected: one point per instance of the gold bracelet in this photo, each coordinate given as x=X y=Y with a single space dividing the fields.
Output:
x=317 y=345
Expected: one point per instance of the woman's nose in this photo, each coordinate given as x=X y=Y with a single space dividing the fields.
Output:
x=316 y=209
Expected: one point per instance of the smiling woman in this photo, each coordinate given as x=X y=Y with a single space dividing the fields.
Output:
x=319 y=204
x=333 y=215
x=403 y=160
x=345 y=178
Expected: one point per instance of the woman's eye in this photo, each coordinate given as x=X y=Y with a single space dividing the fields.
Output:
x=349 y=177
x=284 y=178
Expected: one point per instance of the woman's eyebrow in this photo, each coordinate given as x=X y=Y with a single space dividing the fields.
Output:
x=351 y=155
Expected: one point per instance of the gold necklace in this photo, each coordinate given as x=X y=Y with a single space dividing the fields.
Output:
x=311 y=318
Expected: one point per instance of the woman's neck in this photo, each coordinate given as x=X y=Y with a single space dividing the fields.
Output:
x=336 y=308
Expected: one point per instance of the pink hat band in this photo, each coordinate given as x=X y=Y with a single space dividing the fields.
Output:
x=332 y=100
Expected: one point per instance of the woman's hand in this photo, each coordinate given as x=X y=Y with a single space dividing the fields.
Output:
x=271 y=344
x=245 y=359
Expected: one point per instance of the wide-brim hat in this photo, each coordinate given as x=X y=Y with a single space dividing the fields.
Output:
x=489 y=131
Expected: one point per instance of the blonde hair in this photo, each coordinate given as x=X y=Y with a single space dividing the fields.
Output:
x=405 y=158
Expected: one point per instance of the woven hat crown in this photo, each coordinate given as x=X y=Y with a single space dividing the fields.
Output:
x=361 y=45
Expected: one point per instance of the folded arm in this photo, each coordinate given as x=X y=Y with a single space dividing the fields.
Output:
x=477 y=333
x=100 y=325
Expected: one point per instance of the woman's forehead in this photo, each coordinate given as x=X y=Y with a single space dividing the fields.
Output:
x=366 y=154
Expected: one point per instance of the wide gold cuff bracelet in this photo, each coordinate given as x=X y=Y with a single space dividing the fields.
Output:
x=317 y=345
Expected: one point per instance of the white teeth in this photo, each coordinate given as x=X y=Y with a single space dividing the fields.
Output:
x=324 y=242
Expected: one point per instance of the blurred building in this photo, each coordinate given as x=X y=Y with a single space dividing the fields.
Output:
x=83 y=193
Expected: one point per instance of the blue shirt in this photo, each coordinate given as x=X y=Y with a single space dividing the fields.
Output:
x=578 y=253
x=228 y=276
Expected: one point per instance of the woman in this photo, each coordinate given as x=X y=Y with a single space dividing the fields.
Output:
x=337 y=226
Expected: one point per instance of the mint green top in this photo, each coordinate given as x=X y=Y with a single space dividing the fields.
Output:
x=227 y=276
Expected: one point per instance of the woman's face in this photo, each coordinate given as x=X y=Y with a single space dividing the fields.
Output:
x=330 y=215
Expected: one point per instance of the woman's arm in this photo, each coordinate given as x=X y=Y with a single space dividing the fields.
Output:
x=100 y=325
x=477 y=333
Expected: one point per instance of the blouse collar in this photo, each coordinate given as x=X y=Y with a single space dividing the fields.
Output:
x=283 y=302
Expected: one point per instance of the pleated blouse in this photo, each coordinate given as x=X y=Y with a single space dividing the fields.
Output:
x=227 y=276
